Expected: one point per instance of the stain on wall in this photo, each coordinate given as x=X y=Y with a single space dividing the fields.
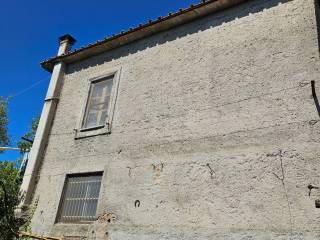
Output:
x=217 y=127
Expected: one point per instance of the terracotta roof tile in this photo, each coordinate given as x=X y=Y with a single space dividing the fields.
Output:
x=49 y=63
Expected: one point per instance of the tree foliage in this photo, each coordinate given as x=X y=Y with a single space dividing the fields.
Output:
x=9 y=183
x=4 y=139
x=10 y=179
x=9 y=199
x=26 y=145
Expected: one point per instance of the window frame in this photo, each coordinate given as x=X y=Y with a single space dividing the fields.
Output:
x=62 y=196
x=81 y=132
x=89 y=98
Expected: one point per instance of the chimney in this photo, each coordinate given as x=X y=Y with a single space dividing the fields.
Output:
x=66 y=41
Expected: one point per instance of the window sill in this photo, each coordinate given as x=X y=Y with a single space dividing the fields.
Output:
x=70 y=229
x=73 y=223
x=90 y=132
x=91 y=128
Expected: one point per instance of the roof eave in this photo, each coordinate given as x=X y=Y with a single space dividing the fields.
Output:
x=142 y=31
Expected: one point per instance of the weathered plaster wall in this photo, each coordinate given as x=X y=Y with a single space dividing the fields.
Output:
x=206 y=115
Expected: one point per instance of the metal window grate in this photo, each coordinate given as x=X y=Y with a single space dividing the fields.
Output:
x=80 y=198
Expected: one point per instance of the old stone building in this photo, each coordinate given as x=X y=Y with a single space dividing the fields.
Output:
x=203 y=124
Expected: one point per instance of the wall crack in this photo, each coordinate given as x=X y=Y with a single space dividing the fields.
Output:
x=282 y=179
x=210 y=170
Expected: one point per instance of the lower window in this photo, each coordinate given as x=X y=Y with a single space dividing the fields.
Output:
x=80 y=198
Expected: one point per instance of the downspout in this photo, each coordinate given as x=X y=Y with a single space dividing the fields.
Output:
x=44 y=127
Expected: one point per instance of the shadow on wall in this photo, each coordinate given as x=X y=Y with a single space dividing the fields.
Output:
x=199 y=25
x=317 y=12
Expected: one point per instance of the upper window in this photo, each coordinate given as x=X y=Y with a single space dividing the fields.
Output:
x=98 y=103
x=80 y=198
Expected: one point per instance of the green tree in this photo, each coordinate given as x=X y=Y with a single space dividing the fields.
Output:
x=26 y=145
x=9 y=183
x=10 y=179
x=9 y=199
x=4 y=139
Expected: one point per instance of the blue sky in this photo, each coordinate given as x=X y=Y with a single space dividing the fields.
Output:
x=29 y=32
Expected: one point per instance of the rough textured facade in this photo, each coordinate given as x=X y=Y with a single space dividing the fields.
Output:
x=215 y=132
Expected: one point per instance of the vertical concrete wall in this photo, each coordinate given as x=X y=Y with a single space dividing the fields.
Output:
x=215 y=132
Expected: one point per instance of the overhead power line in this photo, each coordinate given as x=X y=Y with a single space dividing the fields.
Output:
x=27 y=88
x=10 y=148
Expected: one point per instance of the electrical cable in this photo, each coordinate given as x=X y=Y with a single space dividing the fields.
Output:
x=10 y=97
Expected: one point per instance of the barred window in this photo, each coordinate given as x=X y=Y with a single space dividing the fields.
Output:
x=98 y=103
x=80 y=198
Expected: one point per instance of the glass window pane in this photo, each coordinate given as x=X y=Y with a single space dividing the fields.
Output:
x=92 y=119
x=97 y=90
x=98 y=103
x=109 y=87
x=103 y=117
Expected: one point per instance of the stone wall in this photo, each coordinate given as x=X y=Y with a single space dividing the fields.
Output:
x=215 y=132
